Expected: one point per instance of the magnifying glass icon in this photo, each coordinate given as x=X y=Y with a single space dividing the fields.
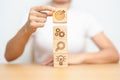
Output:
x=60 y=46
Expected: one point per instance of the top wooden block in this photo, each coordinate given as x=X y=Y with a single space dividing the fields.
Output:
x=60 y=16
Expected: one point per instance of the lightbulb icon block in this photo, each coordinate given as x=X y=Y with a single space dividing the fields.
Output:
x=60 y=16
x=60 y=60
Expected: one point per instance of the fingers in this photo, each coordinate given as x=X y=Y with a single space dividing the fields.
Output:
x=37 y=19
x=44 y=8
x=48 y=60
x=50 y=64
x=36 y=24
x=38 y=16
x=49 y=13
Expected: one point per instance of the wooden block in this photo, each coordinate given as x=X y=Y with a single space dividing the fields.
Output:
x=60 y=16
x=60 y=46
x=60 y=60
x=59 y=32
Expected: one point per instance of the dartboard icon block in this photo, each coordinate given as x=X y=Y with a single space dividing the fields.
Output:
x=60 y=16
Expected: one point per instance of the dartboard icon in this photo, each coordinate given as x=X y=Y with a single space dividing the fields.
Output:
x=60 y=14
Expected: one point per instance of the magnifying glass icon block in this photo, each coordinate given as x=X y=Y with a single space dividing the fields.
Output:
x=60 y=46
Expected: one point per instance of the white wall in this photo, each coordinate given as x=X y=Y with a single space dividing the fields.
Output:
x=107 y=13
x=14 y=13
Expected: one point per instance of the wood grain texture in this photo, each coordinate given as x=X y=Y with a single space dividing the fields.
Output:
x=72 y=72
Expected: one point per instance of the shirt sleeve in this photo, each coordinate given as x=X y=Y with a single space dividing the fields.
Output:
x=93 y=28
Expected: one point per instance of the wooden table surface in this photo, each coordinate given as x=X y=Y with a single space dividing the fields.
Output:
x=74 y=72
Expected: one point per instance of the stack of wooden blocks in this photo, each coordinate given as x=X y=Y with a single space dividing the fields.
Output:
x=60 y=38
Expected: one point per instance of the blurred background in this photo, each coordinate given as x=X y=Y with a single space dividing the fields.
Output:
x=14 y=13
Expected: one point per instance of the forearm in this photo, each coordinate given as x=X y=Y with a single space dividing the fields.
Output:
x=16 y=45
x=101 y=57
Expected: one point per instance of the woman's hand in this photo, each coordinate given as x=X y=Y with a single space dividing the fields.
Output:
x=75 y=59
x=49 y=60
x=37 y=16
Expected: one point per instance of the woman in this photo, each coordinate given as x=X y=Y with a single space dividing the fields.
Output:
x=80 y=27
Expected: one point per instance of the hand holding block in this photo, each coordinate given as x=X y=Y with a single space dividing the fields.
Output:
x=59 y=32
x=60 y=16
x=60 y=60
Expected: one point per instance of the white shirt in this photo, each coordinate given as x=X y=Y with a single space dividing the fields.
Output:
x=79 y=27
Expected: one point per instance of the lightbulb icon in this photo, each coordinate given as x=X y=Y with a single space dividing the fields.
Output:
x=60 y=59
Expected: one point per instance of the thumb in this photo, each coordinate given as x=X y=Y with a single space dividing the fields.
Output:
x=50 y=13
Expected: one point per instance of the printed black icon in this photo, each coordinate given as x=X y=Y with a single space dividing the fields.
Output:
x=60 y=46
x=60 y=14
x=59 y=33
x=60 y=59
